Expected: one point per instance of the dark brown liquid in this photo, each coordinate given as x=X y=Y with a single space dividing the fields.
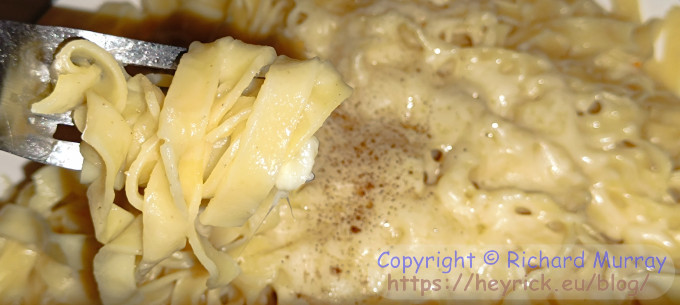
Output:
x=179 y=29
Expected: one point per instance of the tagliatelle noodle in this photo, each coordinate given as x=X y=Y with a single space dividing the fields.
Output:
x=204 y=132
x=45 y=245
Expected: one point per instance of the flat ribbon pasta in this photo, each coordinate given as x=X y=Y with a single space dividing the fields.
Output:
x=236 y=126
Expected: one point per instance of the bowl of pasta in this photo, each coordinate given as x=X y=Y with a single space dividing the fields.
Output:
x=318 y=152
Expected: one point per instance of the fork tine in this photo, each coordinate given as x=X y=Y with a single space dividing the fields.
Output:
x=26 y=53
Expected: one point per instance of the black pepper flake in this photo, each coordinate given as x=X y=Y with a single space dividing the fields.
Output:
x=628 y=144
x=595 y=108
x=522 y=211
x=436 y=155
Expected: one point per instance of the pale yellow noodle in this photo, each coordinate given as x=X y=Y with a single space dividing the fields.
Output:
x=543 y=125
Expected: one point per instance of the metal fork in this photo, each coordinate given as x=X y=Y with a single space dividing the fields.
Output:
x=26 y=53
